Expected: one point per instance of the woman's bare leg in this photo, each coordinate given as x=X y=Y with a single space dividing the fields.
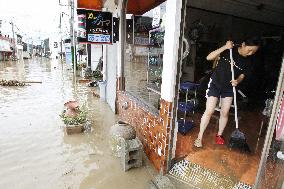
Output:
x=224 y=113
x=210 y=108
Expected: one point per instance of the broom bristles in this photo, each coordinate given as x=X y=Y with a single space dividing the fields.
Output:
x=238 y=141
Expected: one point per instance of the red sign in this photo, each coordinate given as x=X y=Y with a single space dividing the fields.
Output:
x=280 y=121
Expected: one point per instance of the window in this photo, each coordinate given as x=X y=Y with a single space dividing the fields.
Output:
x=144 y=58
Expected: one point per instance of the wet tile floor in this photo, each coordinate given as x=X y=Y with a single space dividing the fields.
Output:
x=223 y=160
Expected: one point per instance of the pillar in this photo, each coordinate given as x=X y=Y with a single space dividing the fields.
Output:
x=121 y=45
x=171 y=46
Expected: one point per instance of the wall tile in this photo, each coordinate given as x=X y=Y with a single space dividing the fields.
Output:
x=153 y=131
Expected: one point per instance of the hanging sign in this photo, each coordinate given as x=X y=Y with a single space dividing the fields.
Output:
x=81 y=26
x=97 y=27
x=156 y=17
x=142 y=26
x=55 y=45
x=81 y=34
x=280 y=121
x=68 y=54
x=115 y=32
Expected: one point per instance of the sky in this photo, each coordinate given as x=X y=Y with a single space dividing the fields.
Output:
x=34 y=18
x=38 y=19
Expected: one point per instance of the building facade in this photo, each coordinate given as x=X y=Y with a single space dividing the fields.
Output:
x=158 y=127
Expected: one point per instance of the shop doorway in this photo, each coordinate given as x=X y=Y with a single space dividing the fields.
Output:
x=215 y=166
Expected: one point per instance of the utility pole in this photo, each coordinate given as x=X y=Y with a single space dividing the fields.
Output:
x=60 y=25
x=14 y=40
x=72 y=36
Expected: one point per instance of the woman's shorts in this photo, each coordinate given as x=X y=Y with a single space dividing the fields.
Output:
x=215 y=91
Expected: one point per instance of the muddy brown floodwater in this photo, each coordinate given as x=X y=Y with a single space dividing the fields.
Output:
x=35 y=153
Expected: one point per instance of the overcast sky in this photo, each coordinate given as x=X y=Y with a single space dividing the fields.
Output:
x=38 y=19
x=33 y=17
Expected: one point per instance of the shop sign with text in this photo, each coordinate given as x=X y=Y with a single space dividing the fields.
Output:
x=98 y=26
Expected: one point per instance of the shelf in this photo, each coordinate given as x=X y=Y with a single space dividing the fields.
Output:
x=154 y=88
x=155 y=60
x=154 y=46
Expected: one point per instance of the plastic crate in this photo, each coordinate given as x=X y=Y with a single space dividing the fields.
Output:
x=185 y=126
x=185 y=107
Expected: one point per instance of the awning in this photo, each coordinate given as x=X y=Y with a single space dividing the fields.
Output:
x=139 y=7
x=90 y=4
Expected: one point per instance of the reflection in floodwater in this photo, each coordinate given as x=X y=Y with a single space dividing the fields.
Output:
x=136 y=82
x=34 y=150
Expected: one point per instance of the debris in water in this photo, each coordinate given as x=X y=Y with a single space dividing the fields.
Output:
x=4 y=82
x=93 y=84
x=68 y=172
x=96 y=95
x=84 y=80
x=11 y=83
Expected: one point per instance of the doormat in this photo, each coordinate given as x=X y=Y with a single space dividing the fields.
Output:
x=200 y=177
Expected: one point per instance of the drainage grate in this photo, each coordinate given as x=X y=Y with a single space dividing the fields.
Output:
x=194 y=174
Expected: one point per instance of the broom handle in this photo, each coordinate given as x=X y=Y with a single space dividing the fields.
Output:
x=234 y=89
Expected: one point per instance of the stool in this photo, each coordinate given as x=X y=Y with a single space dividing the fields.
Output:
x=131 y=154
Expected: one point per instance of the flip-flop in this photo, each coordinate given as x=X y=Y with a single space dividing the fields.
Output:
x=198 y=143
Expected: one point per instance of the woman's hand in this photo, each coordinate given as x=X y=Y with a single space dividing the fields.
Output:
x=234 y=83
x=229 y=45
x=213 y=55
x=238 y=80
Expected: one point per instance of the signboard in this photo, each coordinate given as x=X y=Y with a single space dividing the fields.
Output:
x=97 y=26
x=129 y=31
x=19 y=39
x=81 y=26
x=68 y=54
x=141 y=41
x=68 y=47
x=156 y=17
x=115 y=29
x=142 y=26
x=280 y=121
x=5 y=45
x=81 y=34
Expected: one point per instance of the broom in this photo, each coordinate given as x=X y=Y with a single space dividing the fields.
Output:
x=238 y=139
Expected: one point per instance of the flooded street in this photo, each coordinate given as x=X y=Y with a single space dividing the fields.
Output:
x=36 y=153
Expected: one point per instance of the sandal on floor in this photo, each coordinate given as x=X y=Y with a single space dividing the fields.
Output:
x=198 y=143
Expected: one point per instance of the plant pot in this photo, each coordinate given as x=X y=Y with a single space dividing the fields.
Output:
x=74 y=129
x=71 y=104
x=84 y=80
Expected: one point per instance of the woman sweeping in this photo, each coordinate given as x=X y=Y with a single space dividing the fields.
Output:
x=221 y=83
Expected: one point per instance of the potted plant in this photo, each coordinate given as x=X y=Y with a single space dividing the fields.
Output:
x=73 y=117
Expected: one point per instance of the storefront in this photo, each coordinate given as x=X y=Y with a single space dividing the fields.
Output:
x=5 y=49
x=206 y=29
x=149 y=89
